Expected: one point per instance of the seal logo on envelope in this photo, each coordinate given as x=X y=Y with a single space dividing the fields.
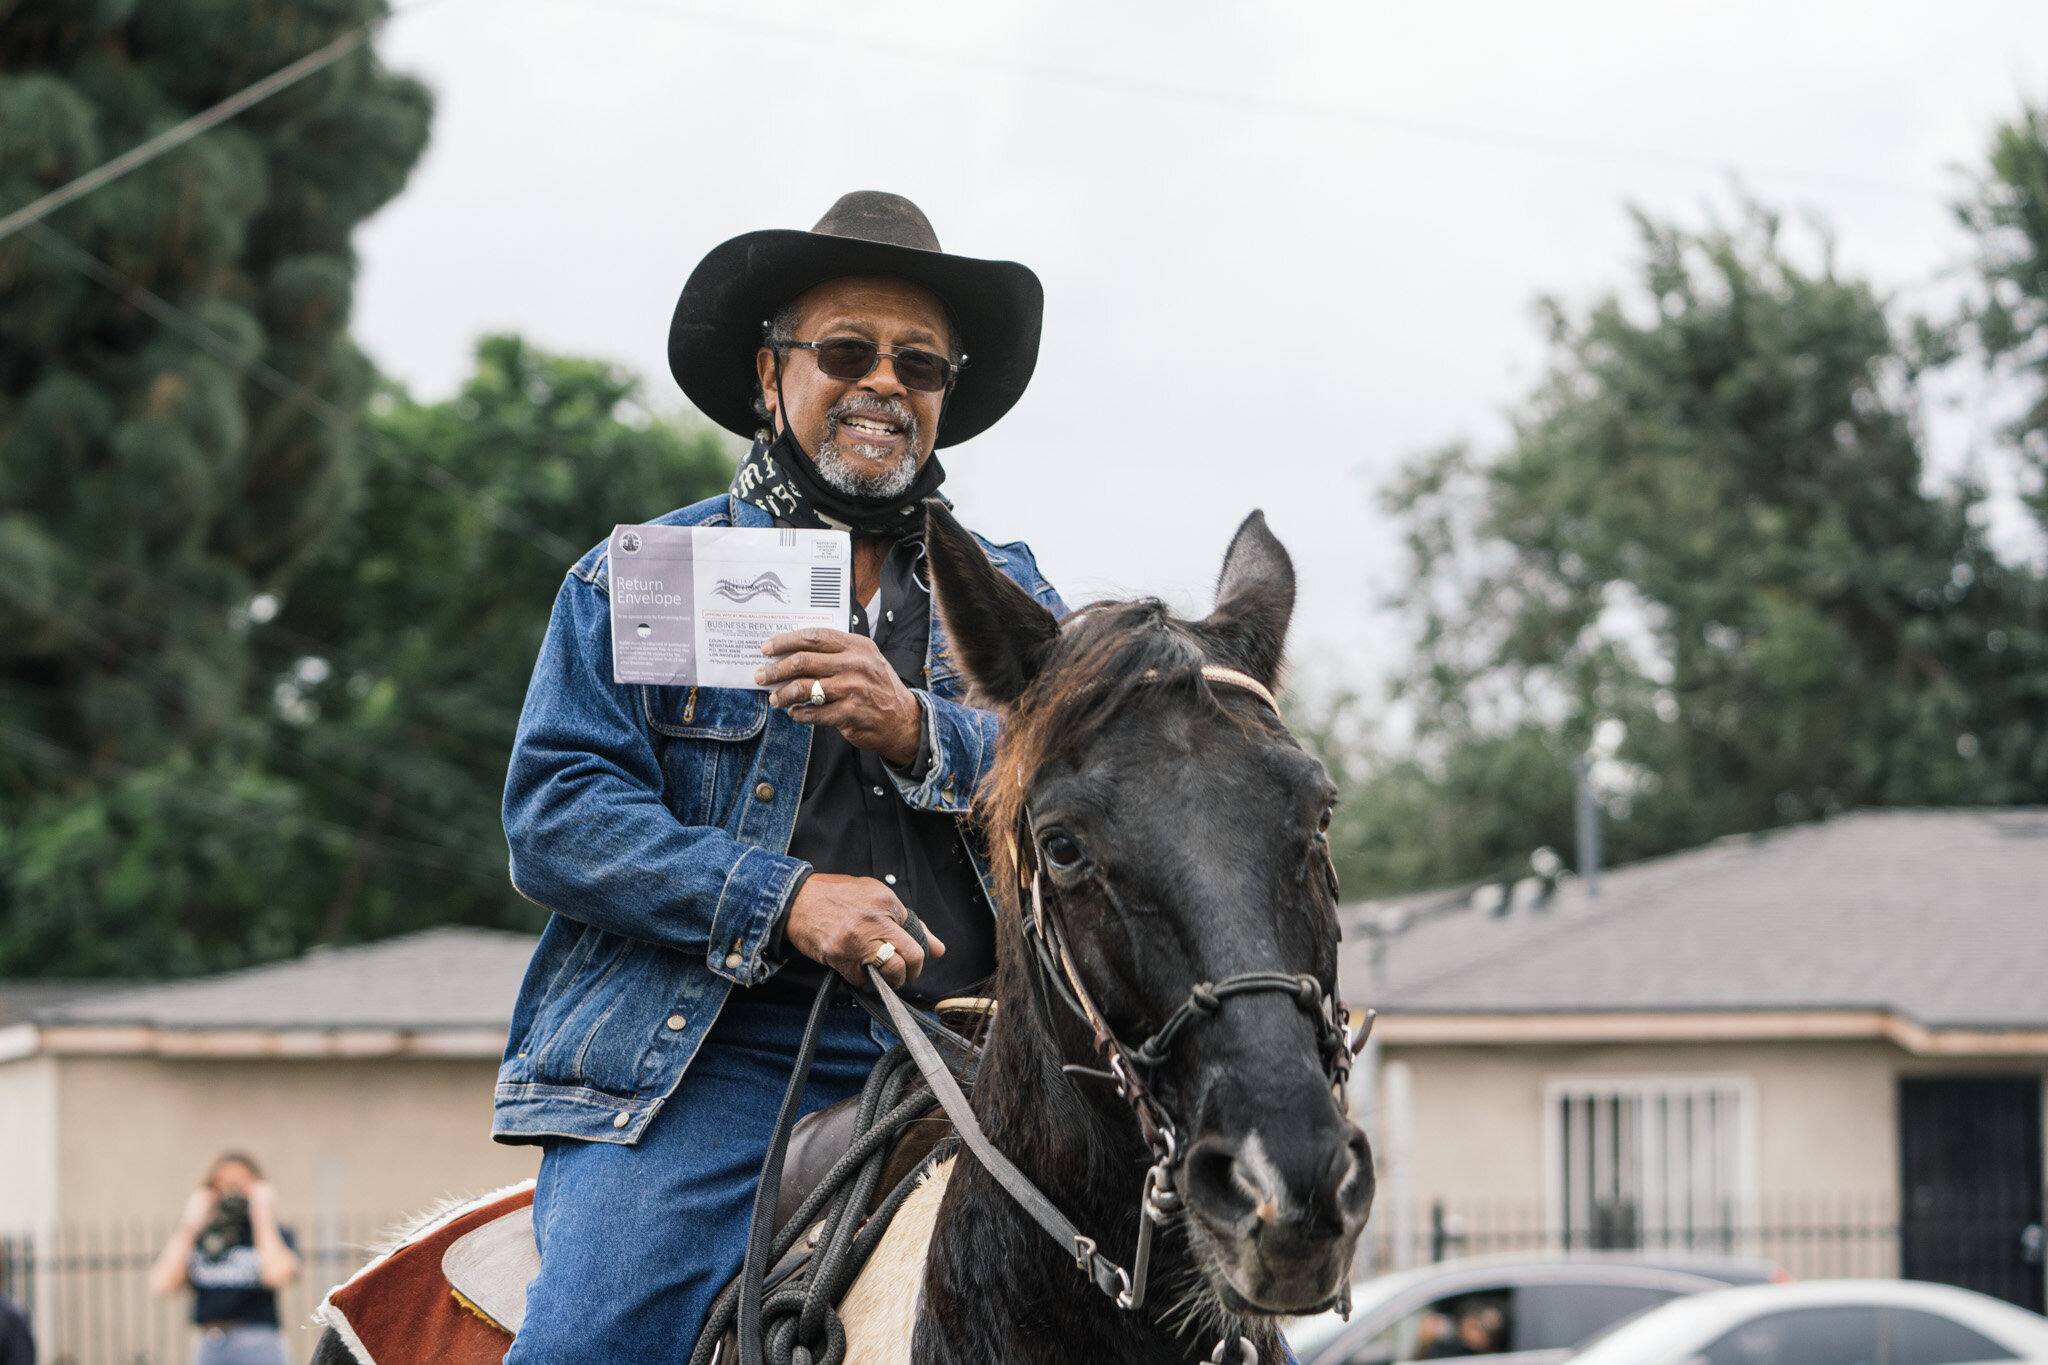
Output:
x=765 y=584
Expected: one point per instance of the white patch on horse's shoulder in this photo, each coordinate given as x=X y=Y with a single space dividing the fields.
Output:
x=880 y=1310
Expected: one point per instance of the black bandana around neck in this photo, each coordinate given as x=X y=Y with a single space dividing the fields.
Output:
x=780 y=479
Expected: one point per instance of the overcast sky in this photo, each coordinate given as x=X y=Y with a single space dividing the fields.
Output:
x=1285 y=246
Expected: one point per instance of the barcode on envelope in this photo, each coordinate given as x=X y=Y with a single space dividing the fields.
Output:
x=787 y=539
x=825 y=580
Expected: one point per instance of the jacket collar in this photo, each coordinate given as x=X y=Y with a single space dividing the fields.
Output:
x=739 y=513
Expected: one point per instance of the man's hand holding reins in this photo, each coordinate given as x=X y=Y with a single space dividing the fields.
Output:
x=844 y=921
x=864 y=699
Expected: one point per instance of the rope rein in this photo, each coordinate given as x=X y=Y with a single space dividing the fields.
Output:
x=799 y=1324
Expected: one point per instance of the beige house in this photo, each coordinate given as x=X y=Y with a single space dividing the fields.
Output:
x=1824 y=1045
x=360 y=1078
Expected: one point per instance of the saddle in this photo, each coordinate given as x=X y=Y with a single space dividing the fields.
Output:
x=452 y=1290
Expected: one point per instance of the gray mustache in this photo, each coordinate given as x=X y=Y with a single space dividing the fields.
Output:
x=887 y=407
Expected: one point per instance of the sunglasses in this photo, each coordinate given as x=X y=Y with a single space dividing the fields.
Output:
x=852 y=358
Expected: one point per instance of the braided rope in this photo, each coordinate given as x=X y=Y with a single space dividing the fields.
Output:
x=1207 y=997
x=799 y=1324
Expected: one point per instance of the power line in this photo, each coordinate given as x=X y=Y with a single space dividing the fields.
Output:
x=283 y=386
x=239 y=359
x=213 y=343
x=1278 y=106
x=235 y=357
x=182 y=133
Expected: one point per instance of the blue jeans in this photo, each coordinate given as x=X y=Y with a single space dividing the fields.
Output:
x=635 y=1242
x=239 y=1344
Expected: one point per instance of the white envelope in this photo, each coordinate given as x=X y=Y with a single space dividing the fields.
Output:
x=692 y=604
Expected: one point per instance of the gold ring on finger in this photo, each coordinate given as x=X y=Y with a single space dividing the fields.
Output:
x=882 y=955
x=817 y=692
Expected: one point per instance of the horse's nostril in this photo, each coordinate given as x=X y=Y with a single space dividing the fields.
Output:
x=1211 y=1174
x=1237 y=1180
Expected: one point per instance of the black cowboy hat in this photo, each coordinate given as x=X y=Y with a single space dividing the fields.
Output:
x=740 y=285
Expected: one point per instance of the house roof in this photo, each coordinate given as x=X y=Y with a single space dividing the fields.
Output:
x=23 y=1000
x=444 y=992
x=1936 y=917
x=453 y=977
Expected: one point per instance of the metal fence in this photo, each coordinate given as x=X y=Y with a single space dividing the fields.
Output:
x=1983 y=1243
x=1816 y=1238
x=86 y=1287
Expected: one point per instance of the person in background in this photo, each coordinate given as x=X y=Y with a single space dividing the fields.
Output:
x=17 y=1343
x=1480 y=1329
x=231 y=1251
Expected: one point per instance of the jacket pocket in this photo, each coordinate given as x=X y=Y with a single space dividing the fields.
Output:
x=591 y=1025
x=706 y=737
x=726 y=713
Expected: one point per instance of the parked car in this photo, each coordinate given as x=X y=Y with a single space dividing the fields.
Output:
x=1507 y=1309
x=1827 y=1322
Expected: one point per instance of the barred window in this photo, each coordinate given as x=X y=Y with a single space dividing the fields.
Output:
x=1658 y=1162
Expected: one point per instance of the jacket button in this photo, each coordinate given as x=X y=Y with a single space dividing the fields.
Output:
x=622 y=1120
x=676 y=1022
x=733 y=960
x=764 y=792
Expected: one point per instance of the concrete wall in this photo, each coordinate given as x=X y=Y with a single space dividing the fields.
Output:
x=365 y=1137
x=28 y=1143
x=1824 y=1119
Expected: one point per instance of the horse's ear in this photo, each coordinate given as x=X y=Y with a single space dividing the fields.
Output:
x=1254 y=600
x=1001 y=632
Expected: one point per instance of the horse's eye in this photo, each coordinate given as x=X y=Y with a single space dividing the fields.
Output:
x=1061 y=852
x=1323 y=825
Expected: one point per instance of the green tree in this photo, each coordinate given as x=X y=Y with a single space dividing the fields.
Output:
x=355 y=793
x=435 y=602
x=2009 y=215
x=1710 y=548
x=147 y=487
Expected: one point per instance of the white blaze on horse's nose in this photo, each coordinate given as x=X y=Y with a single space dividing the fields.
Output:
x=1254 y=1174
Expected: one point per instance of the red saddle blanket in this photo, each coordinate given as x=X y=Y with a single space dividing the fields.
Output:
x=401 y=1308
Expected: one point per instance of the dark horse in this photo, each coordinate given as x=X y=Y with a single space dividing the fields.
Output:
x=1176 y=833
x=1179 y=837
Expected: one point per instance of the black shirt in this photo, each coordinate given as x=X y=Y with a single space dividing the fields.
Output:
x=851 y=820
x=17 y=1343
x=227 y=1278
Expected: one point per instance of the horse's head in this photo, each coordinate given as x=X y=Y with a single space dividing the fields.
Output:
x=1176 y=833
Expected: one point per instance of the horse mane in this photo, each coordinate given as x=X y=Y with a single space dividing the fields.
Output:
x=1108 y=654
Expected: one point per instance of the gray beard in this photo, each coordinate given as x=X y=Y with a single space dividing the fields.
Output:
x=859 y=470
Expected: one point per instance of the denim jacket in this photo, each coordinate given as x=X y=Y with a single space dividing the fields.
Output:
x=654 y=823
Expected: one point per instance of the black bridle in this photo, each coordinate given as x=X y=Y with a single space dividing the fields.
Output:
x=1128 y=1067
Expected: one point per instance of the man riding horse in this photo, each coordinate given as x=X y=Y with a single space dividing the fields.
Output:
x=709 y=854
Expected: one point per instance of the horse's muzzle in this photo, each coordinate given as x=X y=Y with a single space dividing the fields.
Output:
x=1280 y=1210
